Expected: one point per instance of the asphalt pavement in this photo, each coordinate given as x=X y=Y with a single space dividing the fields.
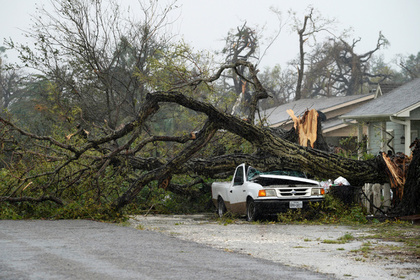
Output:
x=81 y=249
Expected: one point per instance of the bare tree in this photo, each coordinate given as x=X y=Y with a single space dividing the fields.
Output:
x=410 y=66
x=336 y=69
x=11 y=81
x=307 y=30
x=98 y=60
x=242 y=45
x=280 y=85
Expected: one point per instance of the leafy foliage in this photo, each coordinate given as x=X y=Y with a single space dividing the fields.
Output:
x=331 y=211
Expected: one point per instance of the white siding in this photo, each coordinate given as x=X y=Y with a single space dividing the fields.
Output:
x=376 y=141
x=398 y=130
x=374 y=138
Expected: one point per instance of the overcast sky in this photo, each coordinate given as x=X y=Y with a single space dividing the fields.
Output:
x=204 y=23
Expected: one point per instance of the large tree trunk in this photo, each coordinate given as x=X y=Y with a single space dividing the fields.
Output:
x=273 y=152
x=410 y=203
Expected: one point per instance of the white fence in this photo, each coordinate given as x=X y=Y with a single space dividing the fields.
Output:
x=379 y=198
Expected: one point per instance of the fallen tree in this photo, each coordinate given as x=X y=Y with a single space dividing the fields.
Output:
x=83 y=163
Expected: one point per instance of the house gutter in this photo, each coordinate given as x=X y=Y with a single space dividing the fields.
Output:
x=395 y=120
x=364 y=117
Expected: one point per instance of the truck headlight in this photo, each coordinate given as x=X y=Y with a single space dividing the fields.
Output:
x=265 y=193
x=316 y=191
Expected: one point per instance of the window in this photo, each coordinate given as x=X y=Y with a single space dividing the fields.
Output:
x=239 y=176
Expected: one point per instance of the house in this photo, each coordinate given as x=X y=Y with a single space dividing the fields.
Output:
x=390 y=121
x=333 y=128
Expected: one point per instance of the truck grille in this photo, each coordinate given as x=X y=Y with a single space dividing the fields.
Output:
x=294 y=191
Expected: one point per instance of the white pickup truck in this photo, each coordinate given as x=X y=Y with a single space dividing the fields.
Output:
x=253 y=193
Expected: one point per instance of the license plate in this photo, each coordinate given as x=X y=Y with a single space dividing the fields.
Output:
x=296 y=204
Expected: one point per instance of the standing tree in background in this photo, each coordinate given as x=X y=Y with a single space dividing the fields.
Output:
x=95 y=59
x=280 y=86
x=335 y=69
x=11 y=81
x=307 y=30
x=242 y=45
x=301 y=67
x=382 y=71
x=410 y=66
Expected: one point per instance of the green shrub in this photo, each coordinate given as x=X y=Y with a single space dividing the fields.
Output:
x=332 y=210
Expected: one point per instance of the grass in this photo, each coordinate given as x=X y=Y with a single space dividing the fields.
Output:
x=404 y=233
x=140 y=227
x=365 y=249
x=341 y=240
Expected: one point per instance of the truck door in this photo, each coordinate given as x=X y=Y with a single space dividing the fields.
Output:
x=237 y=191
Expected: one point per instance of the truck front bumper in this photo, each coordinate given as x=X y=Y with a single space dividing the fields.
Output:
x=272 y=206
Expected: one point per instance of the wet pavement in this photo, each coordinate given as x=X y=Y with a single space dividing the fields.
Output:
x=80 y=249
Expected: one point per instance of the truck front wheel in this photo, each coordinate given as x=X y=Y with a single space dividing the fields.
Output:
x=221 y=207
x=251 y=210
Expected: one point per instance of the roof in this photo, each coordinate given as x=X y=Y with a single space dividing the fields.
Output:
x=385 y=88
x=278 y=115
x=398 y=103
x=331 y=124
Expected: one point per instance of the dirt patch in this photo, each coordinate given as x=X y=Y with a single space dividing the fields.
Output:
x=337 y=250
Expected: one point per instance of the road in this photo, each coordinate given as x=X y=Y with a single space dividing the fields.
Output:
x=80 y=249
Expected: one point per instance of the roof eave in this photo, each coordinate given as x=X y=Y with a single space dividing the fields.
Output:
x=355 y=117
x=339 y=126
x=406 y=112
x=348 y=103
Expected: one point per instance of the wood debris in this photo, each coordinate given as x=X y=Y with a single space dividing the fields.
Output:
x=397 y=171
x=306 y=126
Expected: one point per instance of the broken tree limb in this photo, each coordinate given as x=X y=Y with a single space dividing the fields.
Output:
x=397 y=166
x=170 y=167
x=307 y=127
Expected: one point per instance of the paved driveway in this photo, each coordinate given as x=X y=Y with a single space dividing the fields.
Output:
x=80 y=249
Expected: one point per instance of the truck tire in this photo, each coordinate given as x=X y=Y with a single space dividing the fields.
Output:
x=221 y=207
x=252 y=213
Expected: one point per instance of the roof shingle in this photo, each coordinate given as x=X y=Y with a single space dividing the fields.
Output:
x=390 y=104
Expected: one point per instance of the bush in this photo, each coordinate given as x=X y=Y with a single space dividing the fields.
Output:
x=332 y=210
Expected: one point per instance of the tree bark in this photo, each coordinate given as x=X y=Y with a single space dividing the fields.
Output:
x=301 y=33
x=410 y=203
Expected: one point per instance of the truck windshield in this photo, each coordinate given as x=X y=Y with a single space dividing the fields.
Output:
x=252 y=172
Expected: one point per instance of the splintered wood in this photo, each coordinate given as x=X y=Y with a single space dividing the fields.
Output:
x=397 y=171
x=306 y=126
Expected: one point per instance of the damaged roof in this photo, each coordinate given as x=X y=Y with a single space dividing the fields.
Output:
x=398 y=102
x=278 y=115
